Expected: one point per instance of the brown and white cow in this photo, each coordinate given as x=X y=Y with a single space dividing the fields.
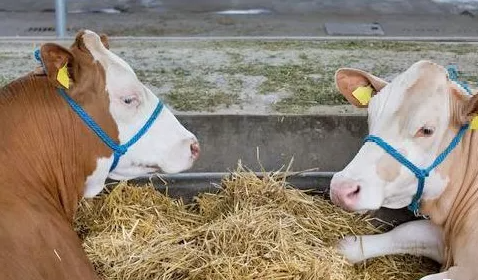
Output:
x=49 y=158
x=418 y=113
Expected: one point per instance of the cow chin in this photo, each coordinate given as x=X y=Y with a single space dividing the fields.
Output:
x=171 y=168
x=131 y=173
x=136 y=171
x=366 y=206
x=397 y=202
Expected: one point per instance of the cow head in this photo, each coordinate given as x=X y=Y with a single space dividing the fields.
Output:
x=418 y=113
x=107 y=87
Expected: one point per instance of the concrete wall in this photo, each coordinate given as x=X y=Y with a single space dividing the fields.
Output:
x=324 y=142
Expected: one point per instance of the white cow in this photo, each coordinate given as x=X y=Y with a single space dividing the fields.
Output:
x=421 y=137
x=165 y=146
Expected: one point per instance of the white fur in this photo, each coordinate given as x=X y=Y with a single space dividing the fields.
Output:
x=398 y=129
x=437 y=276
x=453 y=273
x=420 y=238
x=95 y=182
x=384 y=122
x=166 y=145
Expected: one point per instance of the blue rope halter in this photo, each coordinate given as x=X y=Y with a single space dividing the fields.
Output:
x=453 y=74
x=422 y=173
x=118 y=150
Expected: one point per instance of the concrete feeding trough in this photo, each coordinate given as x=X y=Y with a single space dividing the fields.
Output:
x=364 y=29
x=319 y=145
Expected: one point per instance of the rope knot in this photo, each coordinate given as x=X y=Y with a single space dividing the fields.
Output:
x=424 y=173
x=121 y=150
x=37 y=55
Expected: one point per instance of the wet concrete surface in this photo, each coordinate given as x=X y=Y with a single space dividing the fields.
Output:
x=276 y=6
x=171 y=24
x=198 y=18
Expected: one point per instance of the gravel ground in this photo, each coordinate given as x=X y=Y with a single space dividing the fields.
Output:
x=258 y=77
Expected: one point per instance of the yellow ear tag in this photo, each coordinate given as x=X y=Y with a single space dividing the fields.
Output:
x=474 y=123
x=62 y=77
x=363 y=94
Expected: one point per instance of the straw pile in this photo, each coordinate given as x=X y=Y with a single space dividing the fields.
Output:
x=251 y=229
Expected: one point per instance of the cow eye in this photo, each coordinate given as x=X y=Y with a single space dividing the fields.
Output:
x=425 y=131
x=130 y=100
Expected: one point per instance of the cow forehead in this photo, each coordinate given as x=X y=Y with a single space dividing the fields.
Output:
x=413 y=95
x=110 y=61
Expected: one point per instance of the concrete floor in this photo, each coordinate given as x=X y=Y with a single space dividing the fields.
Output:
x=277 y=6
x=197 y=18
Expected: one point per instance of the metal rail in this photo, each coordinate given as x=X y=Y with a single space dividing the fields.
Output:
x=220 y=175
x=60 y=15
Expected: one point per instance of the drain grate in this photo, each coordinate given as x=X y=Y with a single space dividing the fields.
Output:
x=43 y=29
x=354 y=29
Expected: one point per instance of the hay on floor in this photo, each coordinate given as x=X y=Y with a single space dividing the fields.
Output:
x=253 y=228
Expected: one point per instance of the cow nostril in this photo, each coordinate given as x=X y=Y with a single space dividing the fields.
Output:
x=354 y=193
x=195 y=150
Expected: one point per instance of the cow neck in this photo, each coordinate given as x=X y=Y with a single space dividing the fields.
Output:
x=455 y=206
x=47 y=152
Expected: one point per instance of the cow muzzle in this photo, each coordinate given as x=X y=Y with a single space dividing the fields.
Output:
x=345 y=193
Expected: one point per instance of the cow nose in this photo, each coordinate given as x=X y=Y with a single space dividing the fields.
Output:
x=345 y=193
x=195 y=150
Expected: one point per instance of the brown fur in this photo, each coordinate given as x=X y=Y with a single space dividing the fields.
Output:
x=456 y=209
x=46 y=154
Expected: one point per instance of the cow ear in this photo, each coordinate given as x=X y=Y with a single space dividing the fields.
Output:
x=57 y=61
x=105 y=41
x=469 y=109
x=358 y=86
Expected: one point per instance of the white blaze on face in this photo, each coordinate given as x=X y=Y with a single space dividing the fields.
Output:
x=401 y=113
x=166 y=145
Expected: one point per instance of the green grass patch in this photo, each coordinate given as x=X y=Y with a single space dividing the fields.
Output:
x=4 y=80
x=401 y=46
x=457 y=48
x=191 y=93
x=381 y=70
x=302 y=46
x=235 y=84
x=303 y=56
x=310 y=92
x=197 y=94
x=235 y=57
x=308 y=83
x=308 y=80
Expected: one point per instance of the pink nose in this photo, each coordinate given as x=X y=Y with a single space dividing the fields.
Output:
x=195 y=150
x=345 y=193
